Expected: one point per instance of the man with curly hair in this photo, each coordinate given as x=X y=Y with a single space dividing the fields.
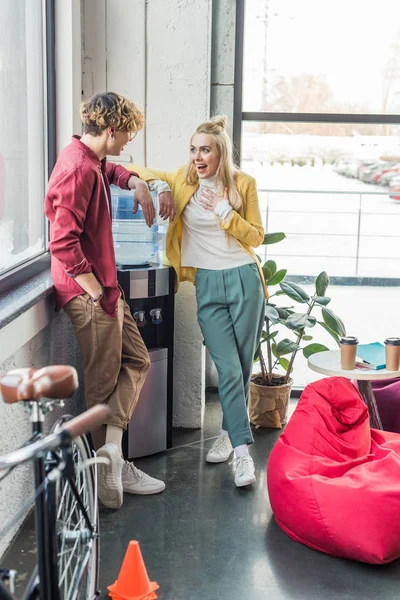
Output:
x=78 y=206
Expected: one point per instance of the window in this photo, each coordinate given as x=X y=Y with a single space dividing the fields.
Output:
x=317 y=103
x=23 y=126
x=320 y=185
x=322 y=57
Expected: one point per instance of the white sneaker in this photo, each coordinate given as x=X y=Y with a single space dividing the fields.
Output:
x=244 y=471
x=220 y=451
x=109 y=483
x=134 y=481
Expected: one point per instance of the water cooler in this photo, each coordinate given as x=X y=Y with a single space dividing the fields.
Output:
x=149 y=291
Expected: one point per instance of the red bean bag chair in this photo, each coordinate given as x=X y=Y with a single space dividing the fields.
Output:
x=334 y=483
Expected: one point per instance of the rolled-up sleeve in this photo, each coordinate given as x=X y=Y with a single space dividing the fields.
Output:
x=66 y=210
x=117 y=175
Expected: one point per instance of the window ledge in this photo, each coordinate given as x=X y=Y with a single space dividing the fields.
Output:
x=20 y=299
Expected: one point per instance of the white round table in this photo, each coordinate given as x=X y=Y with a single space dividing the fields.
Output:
x=328 y=363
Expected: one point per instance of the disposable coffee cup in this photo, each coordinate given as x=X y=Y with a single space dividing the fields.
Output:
x=392 y=347
x=348 y=352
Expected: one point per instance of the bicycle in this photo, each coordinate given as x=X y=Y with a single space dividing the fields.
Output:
x=65 y=497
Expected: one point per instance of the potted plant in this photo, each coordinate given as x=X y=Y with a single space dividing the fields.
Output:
x=270 y=388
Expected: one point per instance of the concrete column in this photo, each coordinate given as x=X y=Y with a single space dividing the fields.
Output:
x=223 y=58
x=158 y=54
x=222 y=91
x=178 y=98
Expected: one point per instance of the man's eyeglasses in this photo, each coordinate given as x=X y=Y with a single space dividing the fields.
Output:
x=131 y=134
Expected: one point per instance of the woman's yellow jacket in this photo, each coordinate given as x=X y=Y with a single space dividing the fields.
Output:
x=245 y=225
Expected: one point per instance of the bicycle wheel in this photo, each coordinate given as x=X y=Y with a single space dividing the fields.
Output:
x=76 y=543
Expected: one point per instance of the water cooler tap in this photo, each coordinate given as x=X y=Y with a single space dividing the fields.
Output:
x=156 y=316
x=140 y=318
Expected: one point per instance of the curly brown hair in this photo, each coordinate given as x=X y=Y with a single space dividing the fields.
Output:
x=110 y=110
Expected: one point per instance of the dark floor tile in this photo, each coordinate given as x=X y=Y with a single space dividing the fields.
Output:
x=204 y=539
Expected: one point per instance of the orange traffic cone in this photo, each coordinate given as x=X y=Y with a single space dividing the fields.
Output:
x=133 y=582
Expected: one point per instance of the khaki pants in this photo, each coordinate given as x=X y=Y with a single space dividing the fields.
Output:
x=115 y=359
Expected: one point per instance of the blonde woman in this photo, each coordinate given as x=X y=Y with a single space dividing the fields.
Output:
x=78 y=206
x=210 y=243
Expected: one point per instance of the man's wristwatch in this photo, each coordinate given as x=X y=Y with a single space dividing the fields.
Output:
x=99 y=297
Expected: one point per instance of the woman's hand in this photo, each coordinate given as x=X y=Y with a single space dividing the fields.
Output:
x=209 y=199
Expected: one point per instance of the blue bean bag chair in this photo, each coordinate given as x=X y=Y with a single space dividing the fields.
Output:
x=334 y=483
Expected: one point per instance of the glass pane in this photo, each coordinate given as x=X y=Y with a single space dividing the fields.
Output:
x=328 y=57
x=334 y=195
x=22 y=126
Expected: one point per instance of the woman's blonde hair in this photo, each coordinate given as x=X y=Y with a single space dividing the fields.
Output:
x=226 y=172
x=110 y=110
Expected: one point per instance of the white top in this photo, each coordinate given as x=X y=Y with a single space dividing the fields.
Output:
x=328 y=363
x=205 y=245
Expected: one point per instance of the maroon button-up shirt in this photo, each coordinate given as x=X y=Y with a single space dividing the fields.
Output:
x=78 y=206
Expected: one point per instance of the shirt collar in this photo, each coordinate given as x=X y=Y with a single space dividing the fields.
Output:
x=76 y=141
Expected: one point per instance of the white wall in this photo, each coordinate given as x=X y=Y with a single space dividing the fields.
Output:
x=46 y=342
x=159 y=57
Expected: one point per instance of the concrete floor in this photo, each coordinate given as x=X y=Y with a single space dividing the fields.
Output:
x=204 y=539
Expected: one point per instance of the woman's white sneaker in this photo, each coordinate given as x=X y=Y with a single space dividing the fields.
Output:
x=220 y=451
x=134 y=481
x=244 y=471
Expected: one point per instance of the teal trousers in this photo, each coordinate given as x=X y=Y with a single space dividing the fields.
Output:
x=230 y=311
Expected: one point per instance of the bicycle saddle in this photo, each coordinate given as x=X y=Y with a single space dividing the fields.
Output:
x=58 y=381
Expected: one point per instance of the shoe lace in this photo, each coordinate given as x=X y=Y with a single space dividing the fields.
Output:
x=244 y=465
x=220 y=443
x=137 y=473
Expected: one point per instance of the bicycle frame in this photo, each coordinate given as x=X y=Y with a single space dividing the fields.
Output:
x=43 y=583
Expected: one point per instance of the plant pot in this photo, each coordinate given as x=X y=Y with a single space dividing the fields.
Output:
x=268 y=405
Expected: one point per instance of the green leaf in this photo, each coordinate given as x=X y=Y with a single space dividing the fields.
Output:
x=280 y=293
x=321 y=283
x=269 y=337
x=282 y=312
x=298 y=321
x=322 y=300
x=271 y=313
x=267 y=273
x=277 y=277
x=286 y=346
x=274 y=238
x=284 y=363
x=342 y=324
x=333 y=322
x=313 y=349
x=274 y=351
x=295 y=292
x=307 y=338
x=271 y=265
x=332 y=333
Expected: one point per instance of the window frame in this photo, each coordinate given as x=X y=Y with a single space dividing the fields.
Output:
x=30 y=267
x=240 y=116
